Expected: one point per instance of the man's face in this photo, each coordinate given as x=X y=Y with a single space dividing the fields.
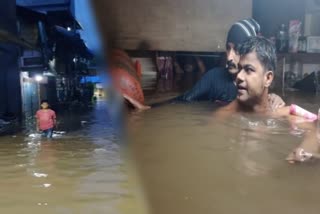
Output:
x=232 y=58
x=44 y=105
x=252 y=79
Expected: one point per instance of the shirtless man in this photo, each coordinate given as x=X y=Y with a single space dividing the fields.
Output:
x=218 y=84
x=255 y=75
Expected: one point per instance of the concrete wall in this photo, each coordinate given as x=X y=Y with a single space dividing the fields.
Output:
x=179 y=25
x=10 y=91
x=312 y=18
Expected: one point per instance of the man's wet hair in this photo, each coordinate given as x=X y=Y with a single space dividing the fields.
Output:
x=264 y=49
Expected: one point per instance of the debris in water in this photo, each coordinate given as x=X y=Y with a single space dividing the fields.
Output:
x=40 y=175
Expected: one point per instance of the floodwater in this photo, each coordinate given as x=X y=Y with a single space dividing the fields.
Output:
x=186 y=162
x=83 y=169
x=190 y=162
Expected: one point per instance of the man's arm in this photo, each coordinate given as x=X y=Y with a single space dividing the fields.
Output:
x=54 y=118
x=226 y=111
x=309 y=147
x=38 y=125
x=200 y=90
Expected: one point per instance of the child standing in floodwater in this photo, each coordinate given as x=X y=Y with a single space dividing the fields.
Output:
x=46 y=119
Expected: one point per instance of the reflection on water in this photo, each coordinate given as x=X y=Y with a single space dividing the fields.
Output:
x=189 y=162
x=192 y=163
x=81 y=170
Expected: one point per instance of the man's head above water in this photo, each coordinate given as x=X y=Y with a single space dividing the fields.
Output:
x=238 y=33
x=256 y=70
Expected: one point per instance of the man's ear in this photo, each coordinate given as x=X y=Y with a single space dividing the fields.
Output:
x=268 y=79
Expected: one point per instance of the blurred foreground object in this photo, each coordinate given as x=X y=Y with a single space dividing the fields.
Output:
x=126 y=77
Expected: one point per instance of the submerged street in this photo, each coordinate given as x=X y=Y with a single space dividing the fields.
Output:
x=81 y=170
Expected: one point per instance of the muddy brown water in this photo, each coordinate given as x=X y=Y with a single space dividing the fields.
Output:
x=191 y=163
x=83 y=169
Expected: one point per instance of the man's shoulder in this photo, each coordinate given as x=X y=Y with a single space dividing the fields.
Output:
x=227 y=110
x=217 y=70
x=283 y=111
x=39 y=113
x=230 y=107
x=218 y=73
x=52 y=111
